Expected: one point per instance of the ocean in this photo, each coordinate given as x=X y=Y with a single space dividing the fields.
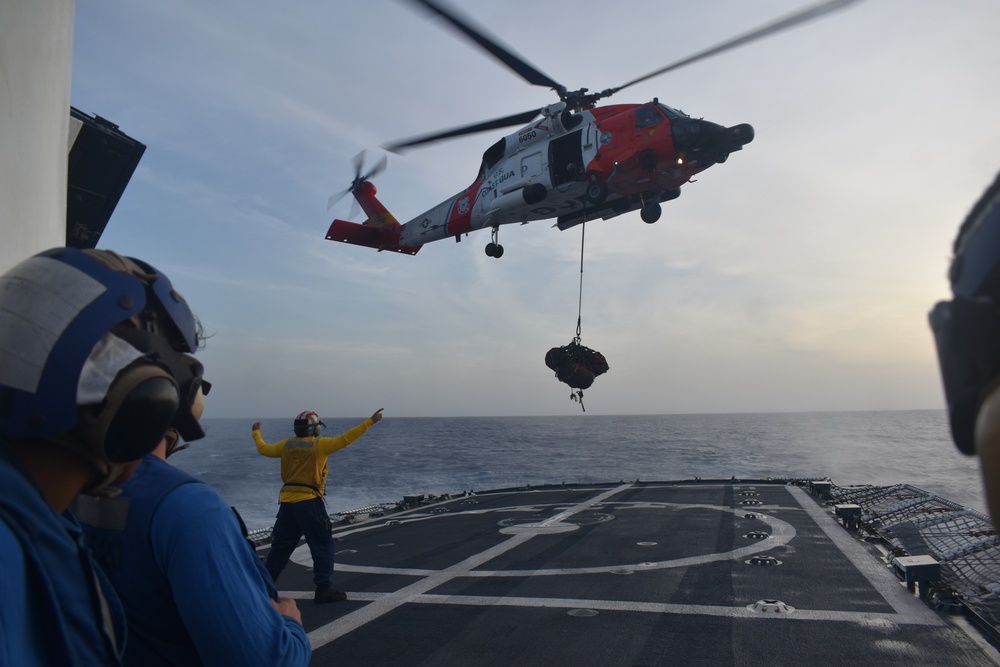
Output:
x=403 y=456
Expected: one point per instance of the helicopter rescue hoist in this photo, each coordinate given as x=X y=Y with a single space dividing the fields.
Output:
x=575 y=364
x=572 y=161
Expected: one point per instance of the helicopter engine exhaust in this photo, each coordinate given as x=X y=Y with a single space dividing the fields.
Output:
x=531 y=194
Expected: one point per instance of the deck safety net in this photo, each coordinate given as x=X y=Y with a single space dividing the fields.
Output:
x=914 y=522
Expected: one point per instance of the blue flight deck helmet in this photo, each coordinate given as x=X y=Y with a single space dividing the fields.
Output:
x=308 y=423
x=59 y=312
x=967 y=328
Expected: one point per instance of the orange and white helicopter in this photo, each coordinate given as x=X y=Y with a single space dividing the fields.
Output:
x=575 y=163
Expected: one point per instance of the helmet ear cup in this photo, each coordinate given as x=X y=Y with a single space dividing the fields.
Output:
x=139 y=408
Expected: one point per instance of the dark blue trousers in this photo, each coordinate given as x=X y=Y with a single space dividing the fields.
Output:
x=294 y=520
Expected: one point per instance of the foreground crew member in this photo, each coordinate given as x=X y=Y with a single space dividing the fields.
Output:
x=302 y=510
x=194 y=590
x=967 y=332
x=93 y=371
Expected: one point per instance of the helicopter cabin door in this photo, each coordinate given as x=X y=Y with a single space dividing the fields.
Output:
x=566 y=158
x=531 y=165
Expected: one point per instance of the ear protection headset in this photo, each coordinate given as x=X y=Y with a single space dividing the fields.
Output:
x=139 y=408
x=158 y=392
x=147 y=398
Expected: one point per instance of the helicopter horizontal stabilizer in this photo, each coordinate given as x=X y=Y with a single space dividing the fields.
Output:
x=380 y=238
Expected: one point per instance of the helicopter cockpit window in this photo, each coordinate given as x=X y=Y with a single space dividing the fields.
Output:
x=647 y=116
x=671 y=113
x=494 y=154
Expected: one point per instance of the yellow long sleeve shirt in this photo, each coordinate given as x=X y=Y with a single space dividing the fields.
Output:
x=304 y=461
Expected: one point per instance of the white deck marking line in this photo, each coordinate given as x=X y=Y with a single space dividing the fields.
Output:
x=908 y=608
x=327 y=633
x=875 y=619
x=667 y=608
x=781 y=534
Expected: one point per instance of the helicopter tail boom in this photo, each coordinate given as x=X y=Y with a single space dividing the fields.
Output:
x=380 y=231
x=381 y=238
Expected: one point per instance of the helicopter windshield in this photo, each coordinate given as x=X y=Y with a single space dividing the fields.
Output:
x=670 y=112
x=647 y=116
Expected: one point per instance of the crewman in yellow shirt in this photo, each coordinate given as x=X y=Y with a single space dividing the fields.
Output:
x=302 y=510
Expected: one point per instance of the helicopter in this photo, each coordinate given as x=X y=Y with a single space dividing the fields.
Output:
x=572 y=160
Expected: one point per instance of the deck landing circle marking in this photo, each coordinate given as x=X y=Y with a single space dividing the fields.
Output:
x=539 y=529
x=781 y=534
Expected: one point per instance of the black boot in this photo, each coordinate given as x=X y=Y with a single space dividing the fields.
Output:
x=326 y=594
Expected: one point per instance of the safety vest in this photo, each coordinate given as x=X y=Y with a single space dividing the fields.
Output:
x=119 y=531
x=302 y=466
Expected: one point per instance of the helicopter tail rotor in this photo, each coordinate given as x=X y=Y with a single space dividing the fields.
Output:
x=359 y=178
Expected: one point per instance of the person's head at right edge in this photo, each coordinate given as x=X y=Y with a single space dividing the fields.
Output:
x=967 y=334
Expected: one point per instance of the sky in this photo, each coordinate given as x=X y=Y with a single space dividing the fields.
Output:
x=797 y=276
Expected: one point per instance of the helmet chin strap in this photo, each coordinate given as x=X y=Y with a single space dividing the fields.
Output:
x=105 y=487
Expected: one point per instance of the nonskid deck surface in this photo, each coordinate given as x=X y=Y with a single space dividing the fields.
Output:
x=620 y=574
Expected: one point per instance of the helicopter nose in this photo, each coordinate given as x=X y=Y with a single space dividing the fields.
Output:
x=741 y=134
x=720 y=141
x=726 y=139
x=710 y=140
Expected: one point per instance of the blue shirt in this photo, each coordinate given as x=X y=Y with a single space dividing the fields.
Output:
x=56 y=607
x=193 y=588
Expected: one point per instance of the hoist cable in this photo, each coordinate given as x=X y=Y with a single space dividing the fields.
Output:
x=579 y=310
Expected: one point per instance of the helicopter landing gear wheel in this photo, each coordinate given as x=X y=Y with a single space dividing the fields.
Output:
x=494 y=249
x=650 y=213
x=597 y=191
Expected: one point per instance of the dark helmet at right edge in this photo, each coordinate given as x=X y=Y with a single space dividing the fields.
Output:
x=307 y=423
x=967 y=336
x=95 y=355
x=967 y=328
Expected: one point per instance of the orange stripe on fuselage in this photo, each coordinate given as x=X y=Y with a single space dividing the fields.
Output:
x=460 y=214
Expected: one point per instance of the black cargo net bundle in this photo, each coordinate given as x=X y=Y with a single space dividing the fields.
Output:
x=575 y=364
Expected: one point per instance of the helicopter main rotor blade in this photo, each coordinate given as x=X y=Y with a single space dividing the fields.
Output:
x=497 y=123
x=781 y=24
x=516 y=63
